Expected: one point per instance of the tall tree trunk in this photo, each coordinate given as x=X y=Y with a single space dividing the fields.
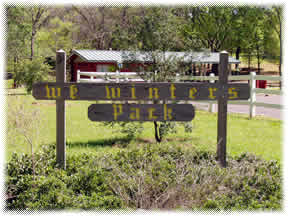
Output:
x=258 y=59
x=157 y=133
x=214 y=68
x=280 y=60
x=238 y=50
x=32 y=44
x=102 y=39
x=124 y=17
x=279 y=18
x=249 y=62
x=15 y=63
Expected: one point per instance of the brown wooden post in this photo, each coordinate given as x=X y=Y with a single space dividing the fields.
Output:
x=222 y=110
x=230 y=70
x=60 y=111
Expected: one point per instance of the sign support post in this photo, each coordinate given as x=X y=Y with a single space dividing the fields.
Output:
x=222 y=110
x=60 y=111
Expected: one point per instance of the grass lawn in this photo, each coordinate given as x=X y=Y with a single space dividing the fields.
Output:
x=261 y=136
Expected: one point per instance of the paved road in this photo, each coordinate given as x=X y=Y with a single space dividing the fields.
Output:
x=260 y=111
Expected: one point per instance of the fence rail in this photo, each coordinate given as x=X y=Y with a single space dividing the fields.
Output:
x=110 y=76
x=238 y=77
x=253 y=91
x=131 y=76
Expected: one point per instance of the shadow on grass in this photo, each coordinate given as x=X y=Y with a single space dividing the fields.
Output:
x=117 y=141
x=122 y=142
x=15 y=94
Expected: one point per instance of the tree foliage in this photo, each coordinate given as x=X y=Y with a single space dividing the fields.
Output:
x=212 y=26
x=17 y=36
x=31 y=71
x=143 y=28
x=58 y=36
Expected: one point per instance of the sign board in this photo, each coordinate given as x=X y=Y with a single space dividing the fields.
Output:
x=141 y=112
x=140 y=91
x=61 y=91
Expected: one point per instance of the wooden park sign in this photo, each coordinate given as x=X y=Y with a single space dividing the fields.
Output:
x=141 y=112
x=139 y=91
x=131 y=92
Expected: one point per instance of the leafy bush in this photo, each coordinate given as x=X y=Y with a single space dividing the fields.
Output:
x=131 y=129
x=24 y=123
x=155 y=176
x=52 y=188
x=31 y=71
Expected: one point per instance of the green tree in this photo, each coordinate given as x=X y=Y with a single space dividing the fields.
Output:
x=31 y=71
x=23 y=24
x=254 y=33
x=17 y=38
x=57 y=36
x=96 y=25
x=138 y=29
x=275 y=17
x=153 y=33
x=211 y=26
x=39 y=16
x=235 y=29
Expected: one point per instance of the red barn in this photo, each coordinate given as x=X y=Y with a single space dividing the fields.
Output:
x=127 y=61
x=105 y=61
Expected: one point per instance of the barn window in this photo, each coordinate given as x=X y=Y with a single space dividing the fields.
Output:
x=103 y=68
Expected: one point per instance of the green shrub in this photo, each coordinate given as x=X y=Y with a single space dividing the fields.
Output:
x=31 y=71
x=79 y=186
x=155 y=176
x=46 y=192
x=130 y=129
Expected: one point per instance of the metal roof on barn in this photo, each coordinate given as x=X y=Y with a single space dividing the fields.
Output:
x=130 y=56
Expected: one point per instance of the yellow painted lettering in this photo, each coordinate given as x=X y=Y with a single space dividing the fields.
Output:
x=47 y=92
x=211 y=93
x=172 y=91
x=73 y=91
x=155 y=95
x=167 y=113
x=52 y=94
x=151 y=116
x=133 y=93
x=232 y=93
x=117 y=110
x=135 y=114
x=59 y=93
x=111 y=92
x=192 y=93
